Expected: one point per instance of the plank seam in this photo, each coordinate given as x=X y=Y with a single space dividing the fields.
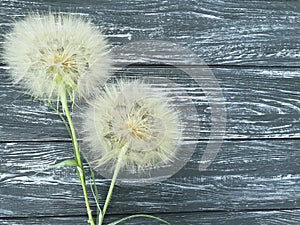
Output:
x=200 y=140
x=225 y=66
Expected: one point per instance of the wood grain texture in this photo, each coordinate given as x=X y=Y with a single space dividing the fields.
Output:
x=252 y=48
x=220 y=32
x=246 y=175
x=260 y=103
x=206 y=218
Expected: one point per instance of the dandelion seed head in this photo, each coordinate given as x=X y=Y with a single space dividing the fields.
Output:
x=131 y=113
x=52 y=53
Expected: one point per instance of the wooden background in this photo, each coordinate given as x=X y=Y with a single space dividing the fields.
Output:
x=253 y=49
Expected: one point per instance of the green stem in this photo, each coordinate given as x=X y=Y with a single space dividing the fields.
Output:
x=113 y=181
x=80 y=169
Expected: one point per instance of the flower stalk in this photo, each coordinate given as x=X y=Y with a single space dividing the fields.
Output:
x=113 y=181
x=80 y=169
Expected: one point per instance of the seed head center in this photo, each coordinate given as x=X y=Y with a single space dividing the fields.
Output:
x=139 y=127
x=62 y=63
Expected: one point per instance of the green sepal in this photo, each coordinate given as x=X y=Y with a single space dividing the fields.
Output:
x=65 y=163
x=138 y=215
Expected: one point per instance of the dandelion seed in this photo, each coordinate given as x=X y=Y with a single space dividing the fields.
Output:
x=131 y=114
x=51 y=54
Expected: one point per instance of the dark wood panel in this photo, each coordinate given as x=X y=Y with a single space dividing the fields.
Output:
x=220 y=32
x=253 y=50
x=213 y=218
x=260 y=103
x=246 y=175
x=22 y=117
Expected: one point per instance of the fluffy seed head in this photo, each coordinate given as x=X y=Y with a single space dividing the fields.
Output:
x=51 y=54
x=131 y=113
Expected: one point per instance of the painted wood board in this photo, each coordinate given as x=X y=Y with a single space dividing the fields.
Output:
x=246 y=175
x=258 y=33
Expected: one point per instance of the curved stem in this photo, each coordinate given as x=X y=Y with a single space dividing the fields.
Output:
x=113 y=181
x=80 y=170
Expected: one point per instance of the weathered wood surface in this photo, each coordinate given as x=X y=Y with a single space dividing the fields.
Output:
x=204 y=218
x=258 y=33
x=246 y=175
x=260 y=103
x=252 y=47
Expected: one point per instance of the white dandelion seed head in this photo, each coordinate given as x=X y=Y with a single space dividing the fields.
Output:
x=131 y=113
x=52 y=53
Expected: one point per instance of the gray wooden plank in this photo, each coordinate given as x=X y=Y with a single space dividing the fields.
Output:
x=21 y=115
x=258 y=172
x=246 y=175
x=260 y=103
x=272 y=217
x=220 y=32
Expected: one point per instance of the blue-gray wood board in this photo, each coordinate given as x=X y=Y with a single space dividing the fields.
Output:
x=252 y=48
